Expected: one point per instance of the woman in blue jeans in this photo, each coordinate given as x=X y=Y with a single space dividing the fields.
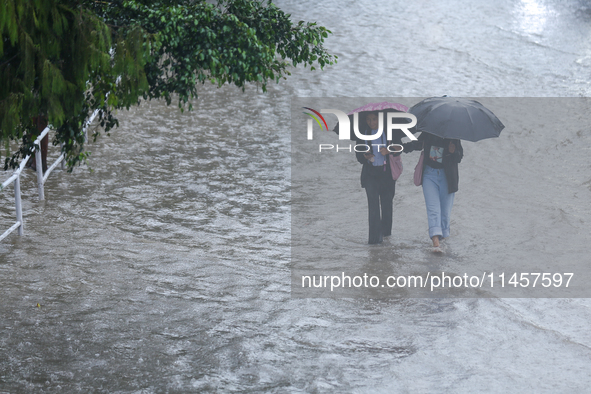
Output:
x=440 y=181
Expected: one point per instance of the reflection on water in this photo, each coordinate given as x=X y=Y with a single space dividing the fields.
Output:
x=167 y=268
x=532 y=16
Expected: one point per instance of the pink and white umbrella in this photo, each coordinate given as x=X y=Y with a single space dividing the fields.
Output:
x=384 y=106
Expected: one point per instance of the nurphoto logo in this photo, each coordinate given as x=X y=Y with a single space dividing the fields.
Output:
x=345 y=129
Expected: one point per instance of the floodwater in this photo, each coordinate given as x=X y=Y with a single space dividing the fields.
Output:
x=167 y=268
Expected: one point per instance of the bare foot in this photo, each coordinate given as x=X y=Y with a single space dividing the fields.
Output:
x=438 y=250
x=435 y=240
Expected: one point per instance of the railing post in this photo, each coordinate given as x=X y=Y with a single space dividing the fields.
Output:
x=64 y=159
x=38 y=161
x=17 y=203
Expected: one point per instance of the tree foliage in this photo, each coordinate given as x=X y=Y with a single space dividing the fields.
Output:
x=64 y=59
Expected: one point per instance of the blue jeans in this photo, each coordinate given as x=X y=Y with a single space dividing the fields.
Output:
x=438 y=201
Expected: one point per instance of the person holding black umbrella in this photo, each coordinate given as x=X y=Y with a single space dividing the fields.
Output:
x=443 y=122
x=440 y=179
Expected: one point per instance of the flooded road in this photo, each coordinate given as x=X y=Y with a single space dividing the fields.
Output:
x=167 y=268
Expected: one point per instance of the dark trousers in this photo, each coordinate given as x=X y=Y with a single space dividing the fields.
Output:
x=380 y=188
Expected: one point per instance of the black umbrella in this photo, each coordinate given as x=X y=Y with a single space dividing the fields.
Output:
x=456 y=118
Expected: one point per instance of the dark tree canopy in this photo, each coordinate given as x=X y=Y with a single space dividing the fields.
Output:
x=64 y=59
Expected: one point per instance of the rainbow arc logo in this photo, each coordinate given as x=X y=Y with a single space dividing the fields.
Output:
x=315 y=118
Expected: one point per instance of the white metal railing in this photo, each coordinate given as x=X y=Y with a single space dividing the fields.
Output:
x=16 y=178
x=41 y=178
